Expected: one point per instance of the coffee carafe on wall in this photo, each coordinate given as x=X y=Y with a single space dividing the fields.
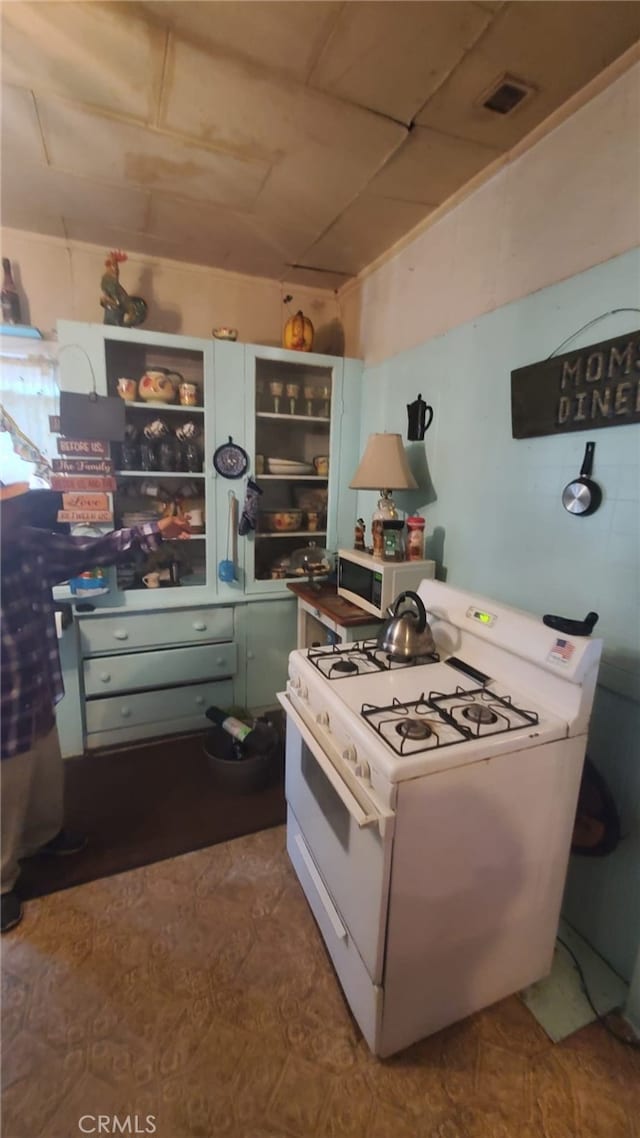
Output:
x=420 y=415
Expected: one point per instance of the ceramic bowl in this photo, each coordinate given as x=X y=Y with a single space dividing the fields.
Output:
x=278 y=521
x=224 y=333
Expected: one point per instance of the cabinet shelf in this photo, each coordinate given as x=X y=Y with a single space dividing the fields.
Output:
x=293 y=533
x=156 y=474
x=293 y=478
x=164 y=407
x=289 y=418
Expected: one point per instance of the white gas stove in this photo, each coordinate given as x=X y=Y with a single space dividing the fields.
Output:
x=431 y=806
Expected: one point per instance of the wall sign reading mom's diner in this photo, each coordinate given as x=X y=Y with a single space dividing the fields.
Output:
x=594 y=387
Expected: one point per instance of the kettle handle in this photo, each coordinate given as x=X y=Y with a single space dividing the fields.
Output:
x=422 y=612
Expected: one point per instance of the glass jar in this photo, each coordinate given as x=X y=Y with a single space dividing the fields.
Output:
x=415 y=538
x=393 y=539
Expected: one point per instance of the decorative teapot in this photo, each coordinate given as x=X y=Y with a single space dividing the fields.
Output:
x=159 y=385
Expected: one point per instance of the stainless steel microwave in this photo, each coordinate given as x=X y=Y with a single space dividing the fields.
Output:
x=373 y=584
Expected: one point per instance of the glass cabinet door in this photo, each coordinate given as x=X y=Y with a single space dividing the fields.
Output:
x=293 y=401
x=159 y=467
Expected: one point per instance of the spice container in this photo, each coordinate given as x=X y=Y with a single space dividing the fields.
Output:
x=393 y=539
x=415 y=538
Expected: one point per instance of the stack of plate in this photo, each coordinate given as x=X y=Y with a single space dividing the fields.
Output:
x=288 y=466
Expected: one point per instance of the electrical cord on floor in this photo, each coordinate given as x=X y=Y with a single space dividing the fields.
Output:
x=601 y=1018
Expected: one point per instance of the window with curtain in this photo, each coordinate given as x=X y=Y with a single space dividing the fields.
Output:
x=29 y=394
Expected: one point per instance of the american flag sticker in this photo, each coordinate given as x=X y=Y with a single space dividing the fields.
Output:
x=561 y=652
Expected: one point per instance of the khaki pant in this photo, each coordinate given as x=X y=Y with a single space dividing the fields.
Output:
x=32 y=803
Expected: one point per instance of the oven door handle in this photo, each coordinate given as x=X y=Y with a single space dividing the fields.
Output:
x=360 y=816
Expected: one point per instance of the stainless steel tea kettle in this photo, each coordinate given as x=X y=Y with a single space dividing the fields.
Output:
x=407 y=634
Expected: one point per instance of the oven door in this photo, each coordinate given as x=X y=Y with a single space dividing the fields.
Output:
x=346 y=832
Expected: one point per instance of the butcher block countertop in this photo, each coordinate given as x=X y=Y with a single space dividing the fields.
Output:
x=326 y=600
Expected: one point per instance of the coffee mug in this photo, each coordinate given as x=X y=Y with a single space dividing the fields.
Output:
x=321 y=464
x=151 y=580
x=127 y=389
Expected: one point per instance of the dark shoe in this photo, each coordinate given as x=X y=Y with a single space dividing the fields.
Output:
x=64 y=843
x=11 y=911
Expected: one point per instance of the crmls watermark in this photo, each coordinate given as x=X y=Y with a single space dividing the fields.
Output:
x=114 y=1124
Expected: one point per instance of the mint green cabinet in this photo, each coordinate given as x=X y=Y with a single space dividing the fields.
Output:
x=302 y=432
x=279 y=404
x=266 y=632
x=147 y=480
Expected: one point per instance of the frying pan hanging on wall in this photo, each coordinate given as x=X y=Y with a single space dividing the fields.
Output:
x=583 y=495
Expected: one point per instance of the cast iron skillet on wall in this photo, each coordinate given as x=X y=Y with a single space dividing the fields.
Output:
x=583 y=495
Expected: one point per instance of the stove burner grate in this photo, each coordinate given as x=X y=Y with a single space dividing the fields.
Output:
x=362 y=658
x=483 y=708
x=404 y=726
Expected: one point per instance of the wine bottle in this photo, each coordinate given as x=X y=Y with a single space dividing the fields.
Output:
x=256 y=740
x=10 y=300
x=234 y=727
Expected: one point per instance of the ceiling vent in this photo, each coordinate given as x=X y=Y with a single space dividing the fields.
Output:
x=505 y=95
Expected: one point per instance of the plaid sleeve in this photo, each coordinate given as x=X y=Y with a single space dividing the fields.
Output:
x=68 y=556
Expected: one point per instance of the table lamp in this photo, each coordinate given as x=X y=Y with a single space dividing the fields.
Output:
x=384 y=467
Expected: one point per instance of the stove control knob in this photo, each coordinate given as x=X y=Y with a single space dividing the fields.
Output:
x=304 y=691
x=295 y=683
x=322 y=719
x=363 y=770
x=350 y=753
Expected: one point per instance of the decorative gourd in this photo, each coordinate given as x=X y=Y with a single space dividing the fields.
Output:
x=298 y=333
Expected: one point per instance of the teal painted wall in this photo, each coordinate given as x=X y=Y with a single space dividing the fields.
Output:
x=496 y=525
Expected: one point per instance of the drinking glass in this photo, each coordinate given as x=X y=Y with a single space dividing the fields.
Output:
x=276 y=387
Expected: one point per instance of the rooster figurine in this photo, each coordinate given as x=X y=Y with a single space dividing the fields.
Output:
x=119 y=308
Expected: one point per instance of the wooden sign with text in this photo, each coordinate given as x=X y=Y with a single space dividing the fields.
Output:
x=82 y=466
x=66 y=482
x=84 y=448
x=593 y=387
x=98 y=502
x=85 y=516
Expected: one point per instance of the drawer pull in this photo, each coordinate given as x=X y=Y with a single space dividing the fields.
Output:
x=251 y=656
x=105 y=677
x=199 y=626
x=120 y=634
x=125 y=712
x=199 y=700
x=220 y=661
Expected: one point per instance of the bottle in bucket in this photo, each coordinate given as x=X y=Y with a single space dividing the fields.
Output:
x=234 y=727
x=256 y=740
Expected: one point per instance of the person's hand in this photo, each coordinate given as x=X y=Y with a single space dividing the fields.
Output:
x=175 y=527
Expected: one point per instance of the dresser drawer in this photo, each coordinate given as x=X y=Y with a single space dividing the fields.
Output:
x=157 y=707
x=154 y=629
x=104 y=675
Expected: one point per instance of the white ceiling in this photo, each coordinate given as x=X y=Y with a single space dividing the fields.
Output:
x=295 y=140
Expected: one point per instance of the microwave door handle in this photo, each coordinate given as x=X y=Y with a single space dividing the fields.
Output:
x=361 y=817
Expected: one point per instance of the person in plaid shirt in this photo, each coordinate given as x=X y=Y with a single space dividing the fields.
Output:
x=32 y=561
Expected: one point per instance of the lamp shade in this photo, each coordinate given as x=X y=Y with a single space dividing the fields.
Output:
x=383 y=466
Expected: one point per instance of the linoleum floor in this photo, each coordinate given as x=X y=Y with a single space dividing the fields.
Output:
x=197 y=991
